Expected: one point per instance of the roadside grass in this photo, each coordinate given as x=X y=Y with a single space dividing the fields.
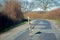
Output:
x=59 y=21
x=13 y=26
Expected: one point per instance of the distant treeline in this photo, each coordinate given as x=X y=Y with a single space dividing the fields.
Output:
x=54 y=14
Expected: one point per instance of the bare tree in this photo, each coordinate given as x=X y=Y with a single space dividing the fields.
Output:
x=45 y=4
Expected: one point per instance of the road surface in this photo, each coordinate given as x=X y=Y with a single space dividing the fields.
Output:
x=44 y=30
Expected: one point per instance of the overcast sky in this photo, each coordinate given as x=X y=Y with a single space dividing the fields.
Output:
x=57 y=6
x=39 y=9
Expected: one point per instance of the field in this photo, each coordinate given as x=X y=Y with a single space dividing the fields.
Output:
x=54 y=14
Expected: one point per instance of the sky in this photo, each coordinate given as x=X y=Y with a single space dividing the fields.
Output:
x=34 y=0
x=1 y=1
x=28 y=0
x=39 y=9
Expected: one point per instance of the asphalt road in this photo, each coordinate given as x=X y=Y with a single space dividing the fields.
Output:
x=44 y=30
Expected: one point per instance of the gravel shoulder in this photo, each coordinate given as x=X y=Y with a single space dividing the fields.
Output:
x=13 y=31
